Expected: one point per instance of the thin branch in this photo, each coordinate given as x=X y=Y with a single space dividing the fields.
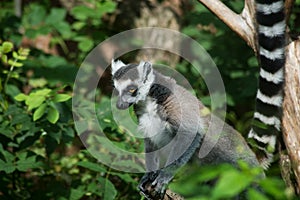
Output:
x=18 y=8
x=289 y=4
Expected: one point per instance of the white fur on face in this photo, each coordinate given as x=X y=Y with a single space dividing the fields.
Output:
x=115 y=65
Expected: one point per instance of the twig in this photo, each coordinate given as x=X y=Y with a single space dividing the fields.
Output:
x=172 y=196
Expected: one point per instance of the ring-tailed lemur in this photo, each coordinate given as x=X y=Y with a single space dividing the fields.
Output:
x=174 y=125
x=271 y=26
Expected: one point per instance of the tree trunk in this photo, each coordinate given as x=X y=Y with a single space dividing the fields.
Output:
x=291 y=107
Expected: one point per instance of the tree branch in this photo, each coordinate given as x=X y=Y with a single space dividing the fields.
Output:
x=242 y=23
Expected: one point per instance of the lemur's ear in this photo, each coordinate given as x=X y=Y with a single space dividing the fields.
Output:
x=115 y=65
x=144 y=69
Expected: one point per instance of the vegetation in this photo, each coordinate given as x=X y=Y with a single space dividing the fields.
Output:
x=41 y=155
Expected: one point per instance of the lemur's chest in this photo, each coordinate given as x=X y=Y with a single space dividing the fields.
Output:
x=152 y=122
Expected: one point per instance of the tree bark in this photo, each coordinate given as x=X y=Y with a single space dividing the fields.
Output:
x=291 y=107
x=244 y=25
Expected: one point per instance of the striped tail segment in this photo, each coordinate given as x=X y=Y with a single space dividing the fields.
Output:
x=266 y=126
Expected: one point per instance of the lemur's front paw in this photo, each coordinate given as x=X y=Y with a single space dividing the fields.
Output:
x=153 y=185
x=145 y=184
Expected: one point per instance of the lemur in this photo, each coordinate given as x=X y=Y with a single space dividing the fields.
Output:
x=265 y=131
x=174 y=125
x=173 y=121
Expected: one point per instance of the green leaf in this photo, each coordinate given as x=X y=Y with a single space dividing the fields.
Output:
x=93 y=187
x=15 y=55
x=53 y=61
x=78 y=25
x=7 y=47
x=4 y=58
x=7 y=132
x=37 y=82
x=22 y=57
x=26 y=163
x=42 y=92
x=107 y=7
x=38 y=113
x=86 y=45
x=92 y=166
x=110 y=191
x=35 y=15
x=81 y=12
x=56 y=15
x=77 y=193
x=274 y=187
x=61 y=98
x=9 y=157
x=30 y=33
x=8 y=167
x=231 y=184
x=255 y=195
x=14 y=63
x=34 y=101
x=64 y=29
x=12 y=90
x=53 y=115
x=125 y=177
x=23 y=52
x=21 y=118
x=21 y=97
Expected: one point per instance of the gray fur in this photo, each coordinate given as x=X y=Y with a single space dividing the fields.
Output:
x=171 y=120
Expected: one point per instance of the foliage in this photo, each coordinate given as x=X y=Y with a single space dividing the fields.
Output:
x=228 y=182
x=41 y=155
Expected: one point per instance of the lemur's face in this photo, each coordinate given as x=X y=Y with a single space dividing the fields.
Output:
x=132 y=82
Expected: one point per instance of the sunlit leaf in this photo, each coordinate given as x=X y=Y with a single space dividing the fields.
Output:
x=21 y=97
x=42 y=92
x=52 y=115
x=38 y=113
x=15 y=55
x=86 y=45
x=7 y=47
x=14 y=63
x=34 y=101
x=61 y=97
x=4 y=58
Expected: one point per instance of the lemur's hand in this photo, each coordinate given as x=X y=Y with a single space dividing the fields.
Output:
x=153 y=184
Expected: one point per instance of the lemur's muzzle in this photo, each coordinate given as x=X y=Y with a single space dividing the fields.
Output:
x=122 y=105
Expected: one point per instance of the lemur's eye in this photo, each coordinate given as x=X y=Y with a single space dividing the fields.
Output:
x=132 y=90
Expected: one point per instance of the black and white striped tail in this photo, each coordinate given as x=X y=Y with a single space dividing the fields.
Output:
x=266 y=125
